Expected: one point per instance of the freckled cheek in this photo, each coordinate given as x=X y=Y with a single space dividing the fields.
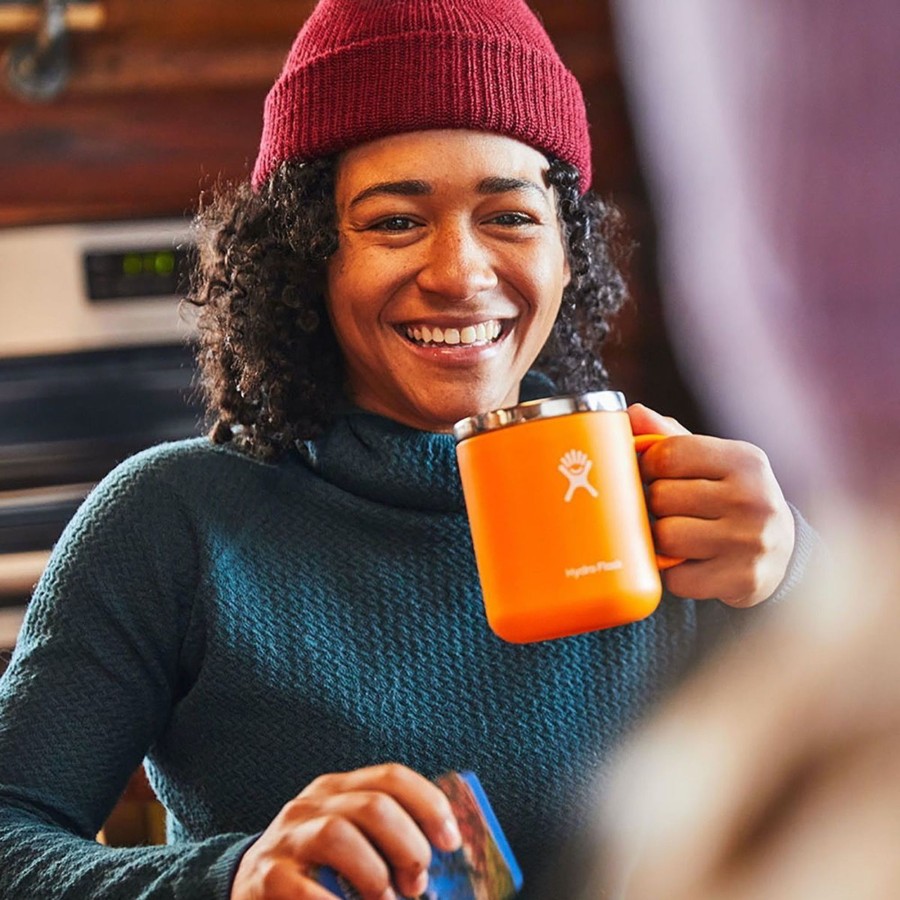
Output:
x=369 y=279
x=357 y=309
x=343 y=306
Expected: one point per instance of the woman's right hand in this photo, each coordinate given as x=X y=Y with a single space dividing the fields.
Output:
x=374 y=826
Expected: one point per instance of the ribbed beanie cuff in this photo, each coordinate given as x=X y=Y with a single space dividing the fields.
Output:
x=364 y=69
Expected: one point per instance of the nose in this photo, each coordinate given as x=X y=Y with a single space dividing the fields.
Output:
x=457 y=265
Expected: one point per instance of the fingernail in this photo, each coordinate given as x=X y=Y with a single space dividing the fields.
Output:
x=449 y=837
x=420 y=885
x=388 y=895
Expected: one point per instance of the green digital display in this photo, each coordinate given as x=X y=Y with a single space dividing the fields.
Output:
x=138 y=273
x=158 y=262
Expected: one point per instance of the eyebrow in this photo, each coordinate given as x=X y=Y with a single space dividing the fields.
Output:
x=411 y=188
x=498 y=185
x=416 y=188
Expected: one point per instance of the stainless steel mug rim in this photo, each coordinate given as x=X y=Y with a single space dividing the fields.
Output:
x=543 y=408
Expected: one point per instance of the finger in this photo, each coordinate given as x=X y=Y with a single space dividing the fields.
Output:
x=389 y=827
x=698 y=456
x=712 y=579
x=423 y=800
x=699 y=498
x=336 y=842
x=647 y=421
x=751 y=505
x=285 y=882
x=302 y=888
x=690 y=538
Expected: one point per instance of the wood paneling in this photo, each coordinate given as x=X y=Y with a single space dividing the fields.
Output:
x=129 y=155
x=25 y=18
x=161 y=96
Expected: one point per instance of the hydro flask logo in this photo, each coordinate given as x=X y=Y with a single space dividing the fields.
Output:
x=576 y=466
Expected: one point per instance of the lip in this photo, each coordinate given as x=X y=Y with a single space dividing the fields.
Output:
x=445 y=321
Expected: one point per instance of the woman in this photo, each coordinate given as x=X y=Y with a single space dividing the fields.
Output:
x=286 y=619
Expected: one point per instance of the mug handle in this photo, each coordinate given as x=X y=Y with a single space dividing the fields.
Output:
x=641 y=443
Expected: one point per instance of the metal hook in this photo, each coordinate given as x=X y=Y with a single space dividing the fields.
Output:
x=37 y=68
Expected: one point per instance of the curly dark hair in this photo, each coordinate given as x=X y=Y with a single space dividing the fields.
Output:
x=270 y=368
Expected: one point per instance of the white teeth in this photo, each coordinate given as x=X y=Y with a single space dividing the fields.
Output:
x=470 y=334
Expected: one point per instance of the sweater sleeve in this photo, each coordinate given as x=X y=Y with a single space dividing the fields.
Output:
x=90 y=686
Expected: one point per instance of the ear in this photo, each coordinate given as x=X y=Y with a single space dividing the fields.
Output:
x=567 y=269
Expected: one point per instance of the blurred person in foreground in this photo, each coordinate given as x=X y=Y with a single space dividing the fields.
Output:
x=771 y=135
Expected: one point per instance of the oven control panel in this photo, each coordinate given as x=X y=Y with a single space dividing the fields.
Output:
x=68 y=288
x=137 y=273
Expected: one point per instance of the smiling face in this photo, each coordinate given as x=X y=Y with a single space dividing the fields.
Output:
x=448 y=276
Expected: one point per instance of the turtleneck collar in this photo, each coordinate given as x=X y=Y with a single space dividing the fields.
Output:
x=379 y=459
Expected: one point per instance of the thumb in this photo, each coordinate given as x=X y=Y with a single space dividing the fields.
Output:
x=647 y=421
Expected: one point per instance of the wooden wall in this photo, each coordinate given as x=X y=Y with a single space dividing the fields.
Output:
x=166 y=96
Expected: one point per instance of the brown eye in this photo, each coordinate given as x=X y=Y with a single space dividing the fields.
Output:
x=395 y=223
x=514 y=220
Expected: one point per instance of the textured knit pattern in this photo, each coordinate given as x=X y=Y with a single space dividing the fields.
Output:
x=250 y=626
x=363 y=69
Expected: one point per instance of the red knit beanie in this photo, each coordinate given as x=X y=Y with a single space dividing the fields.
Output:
x=363 y=69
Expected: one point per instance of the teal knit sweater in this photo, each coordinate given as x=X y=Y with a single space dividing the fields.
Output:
x=249 y=626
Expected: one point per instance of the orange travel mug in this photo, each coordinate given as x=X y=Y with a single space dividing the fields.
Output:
x=558 y=516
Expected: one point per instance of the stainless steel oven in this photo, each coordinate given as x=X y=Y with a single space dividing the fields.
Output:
x=96 y=363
